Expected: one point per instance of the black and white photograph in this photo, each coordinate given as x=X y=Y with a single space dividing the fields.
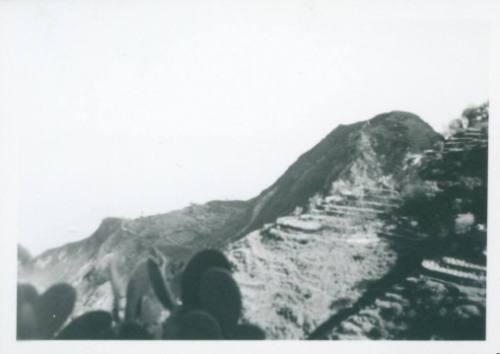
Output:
x=248 y=170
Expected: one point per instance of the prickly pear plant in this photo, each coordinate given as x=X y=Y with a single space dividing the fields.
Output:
x=40 y=316
x=191 y=277
x=118 y=310
x=26 y=322
x=133 y=330
x=150 y=316
x=248 y=331
x=220 y=296
x=26 y=293
x=146 y=299
x=137 y=287
x=211 y=301
x=198 y=325
x=160 y=287
x=53 y=308
x=26 y=318
x=171 y=326
x=146 y=311
x=91 y=325
x=210 y=309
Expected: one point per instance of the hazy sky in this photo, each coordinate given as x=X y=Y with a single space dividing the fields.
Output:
x=126 y=108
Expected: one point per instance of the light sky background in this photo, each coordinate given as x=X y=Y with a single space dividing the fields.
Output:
x=129 y=108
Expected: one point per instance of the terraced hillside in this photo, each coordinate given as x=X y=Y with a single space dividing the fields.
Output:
x=306 y=267
x=445 y=299
x=445 y=296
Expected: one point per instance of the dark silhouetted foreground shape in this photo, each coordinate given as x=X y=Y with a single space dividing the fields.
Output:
x=39 y=317
x=210 y=310
x=91 y=325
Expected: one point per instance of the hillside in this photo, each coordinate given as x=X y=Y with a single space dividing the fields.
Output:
x=444 y=295
x=392 y=135
x=177 y=235
x=365 y=154
x=383 y=253
x=302 y=269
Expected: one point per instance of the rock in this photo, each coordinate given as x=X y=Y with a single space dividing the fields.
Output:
x=430 y=294
x=383 y=304
x=467 y=312
x=467 y=322
x=350 y=328
x=395 y=297
x=394 y=310
x=431 y=287
x=412 y=280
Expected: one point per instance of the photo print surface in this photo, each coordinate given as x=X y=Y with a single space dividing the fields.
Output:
x=227 y=171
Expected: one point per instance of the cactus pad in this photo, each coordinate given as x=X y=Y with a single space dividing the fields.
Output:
x=200 y=263
x=26 y=293
x=198 y=325
x=54 y=307
x=160 y=288
x=26 y=322
x=91 y=325
x=220 y=296
x=132 y=330
x=248 y=331
x=137 y=287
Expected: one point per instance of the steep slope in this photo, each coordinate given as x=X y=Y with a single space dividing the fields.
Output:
x=300 y=270
x=392 y=135
x=349 y=158
x=444 y=296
